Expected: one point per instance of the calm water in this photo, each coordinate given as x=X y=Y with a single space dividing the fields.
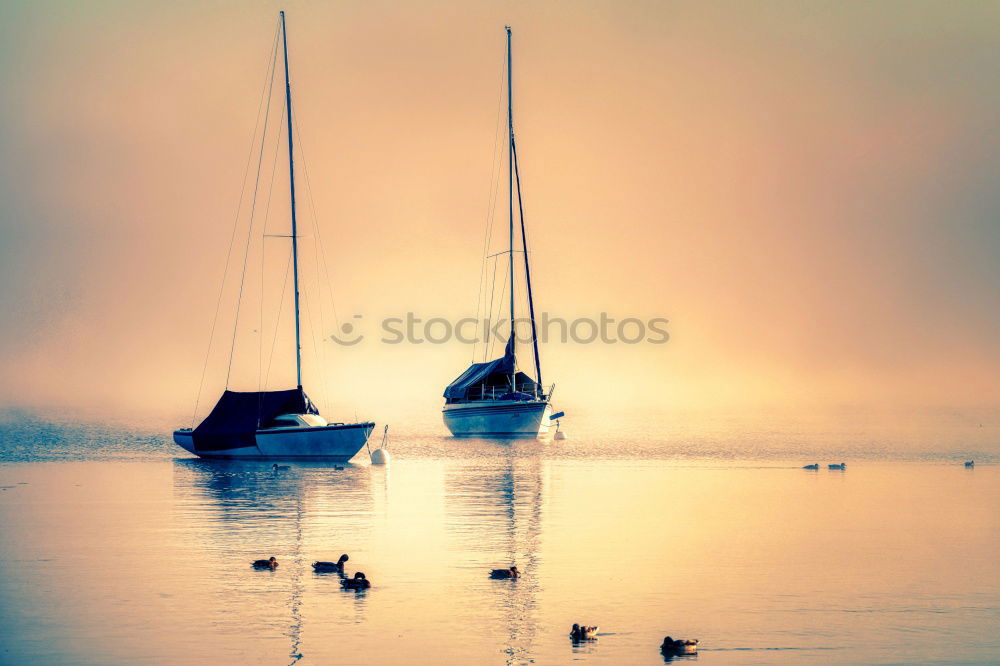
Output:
x=120 y=549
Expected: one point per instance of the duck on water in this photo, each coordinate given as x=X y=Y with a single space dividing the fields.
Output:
x=505 y=573
x=583 y=632
x=673 y=646
x=271 y=564
x=359 y=582
x=331 y=567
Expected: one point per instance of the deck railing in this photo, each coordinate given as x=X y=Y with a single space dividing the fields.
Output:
x=484 y=392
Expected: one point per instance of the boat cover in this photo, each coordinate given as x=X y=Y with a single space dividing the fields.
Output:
x=476 y=374
x=234 y=420
x=481 y=373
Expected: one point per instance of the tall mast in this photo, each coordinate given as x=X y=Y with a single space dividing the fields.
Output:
x=510 y=200
x=514 y=175
x=291 y=184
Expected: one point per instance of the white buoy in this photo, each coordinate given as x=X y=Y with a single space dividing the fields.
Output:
x=380 y=456
x=559 y=434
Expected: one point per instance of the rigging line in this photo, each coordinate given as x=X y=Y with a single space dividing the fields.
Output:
x=491 y=199
x=263 y=246
x=312 y=337
x=232 y=238
x=326 y=271
x=317 y=248
x=487 y=345
x=527 y=271
x=510 y=257
x=321 y=355
x=253 y=208
x=319 y=235
x=321 y=352
x=277 y=323
x=492 y=219
x=260 y=329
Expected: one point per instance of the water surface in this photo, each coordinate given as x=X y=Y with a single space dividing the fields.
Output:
x=132 y=552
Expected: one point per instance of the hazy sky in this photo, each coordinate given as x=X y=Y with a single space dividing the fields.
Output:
x=807 y=191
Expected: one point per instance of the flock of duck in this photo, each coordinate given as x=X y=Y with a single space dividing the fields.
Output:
x=843 y=466
x=357 y=582
x=577 y=633
x=830 y=466
x=671 y=647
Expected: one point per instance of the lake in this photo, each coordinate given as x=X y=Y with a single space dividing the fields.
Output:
x=120 y=548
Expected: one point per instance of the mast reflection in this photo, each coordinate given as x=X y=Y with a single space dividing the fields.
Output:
x=299 y=514
x=494 y=511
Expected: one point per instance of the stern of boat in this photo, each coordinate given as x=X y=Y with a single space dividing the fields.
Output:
x=184 y=439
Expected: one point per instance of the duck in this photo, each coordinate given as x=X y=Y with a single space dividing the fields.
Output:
x=679 y=646
x=271 y=564
x=838 y=466
x=813 y=466
x=328 y=567
x=583 y=632
x=970 y=463
x=359 y=582
x=505 y=573
x=279 y=468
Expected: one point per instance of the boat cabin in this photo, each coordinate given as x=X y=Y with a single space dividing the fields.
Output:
x=296 y=421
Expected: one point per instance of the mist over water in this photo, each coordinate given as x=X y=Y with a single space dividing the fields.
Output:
x=775 y=437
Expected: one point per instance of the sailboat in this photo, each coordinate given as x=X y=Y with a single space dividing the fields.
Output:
x=494 y=398
x=259 y=425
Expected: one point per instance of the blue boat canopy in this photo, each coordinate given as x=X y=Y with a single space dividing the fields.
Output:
x=234 y=420
x=479 y=373
x=493 y=375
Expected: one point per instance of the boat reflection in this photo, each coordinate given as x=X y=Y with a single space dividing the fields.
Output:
x=494 y=513
x=252 y=495
x=299 y=513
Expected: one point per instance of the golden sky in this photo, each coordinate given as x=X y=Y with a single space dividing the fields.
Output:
x=807 y=191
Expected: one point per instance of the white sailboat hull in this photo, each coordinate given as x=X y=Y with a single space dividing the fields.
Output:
x=336 y=443
x=498 y=418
